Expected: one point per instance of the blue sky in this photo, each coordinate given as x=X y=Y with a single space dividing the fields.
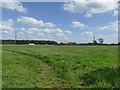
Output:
x=60 y=21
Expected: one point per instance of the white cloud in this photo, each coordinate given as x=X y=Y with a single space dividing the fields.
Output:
x=108 y=38
x=23 y=29
x=33 y=22
x=47 y=33
x=7 y=25
x=49 y=25
x=7 y=29
x=90 y=7
x=112 y=26
x=13 y=5
x=115 y=13
x=78 y=25
x=68 y=32
x=88 y=37
x=87 y=33
x=8 y=32
x=10 y=22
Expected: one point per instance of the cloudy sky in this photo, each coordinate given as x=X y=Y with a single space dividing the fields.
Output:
x=75 y=21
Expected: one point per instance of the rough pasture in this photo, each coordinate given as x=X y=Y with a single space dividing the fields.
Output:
x=69 y=66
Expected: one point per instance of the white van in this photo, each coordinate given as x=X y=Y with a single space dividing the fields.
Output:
x=31 y=44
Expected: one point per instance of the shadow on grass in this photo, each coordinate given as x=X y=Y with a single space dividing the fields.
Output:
x=107 y=78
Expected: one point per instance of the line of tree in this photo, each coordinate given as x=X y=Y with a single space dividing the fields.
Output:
x=42 y=42
x=74 y=43
x=48 y=42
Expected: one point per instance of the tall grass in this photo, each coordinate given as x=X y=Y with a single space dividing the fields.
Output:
x=77 y=66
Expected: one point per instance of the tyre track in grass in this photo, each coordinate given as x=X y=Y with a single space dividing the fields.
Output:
x=50 y=79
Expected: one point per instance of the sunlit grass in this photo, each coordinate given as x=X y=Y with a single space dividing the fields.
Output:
x=75 y=66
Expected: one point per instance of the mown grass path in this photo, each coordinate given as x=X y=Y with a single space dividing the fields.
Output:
x=23 y=71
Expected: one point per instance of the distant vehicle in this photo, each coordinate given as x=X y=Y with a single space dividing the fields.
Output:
x=31 y=44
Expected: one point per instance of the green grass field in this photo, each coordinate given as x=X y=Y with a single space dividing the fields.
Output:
x=60 y=66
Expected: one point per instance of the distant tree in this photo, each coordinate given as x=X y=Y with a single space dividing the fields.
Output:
x=42 y=42
x=73 y=43
x=101 y=40
x=95 y=42
x=61 y=43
